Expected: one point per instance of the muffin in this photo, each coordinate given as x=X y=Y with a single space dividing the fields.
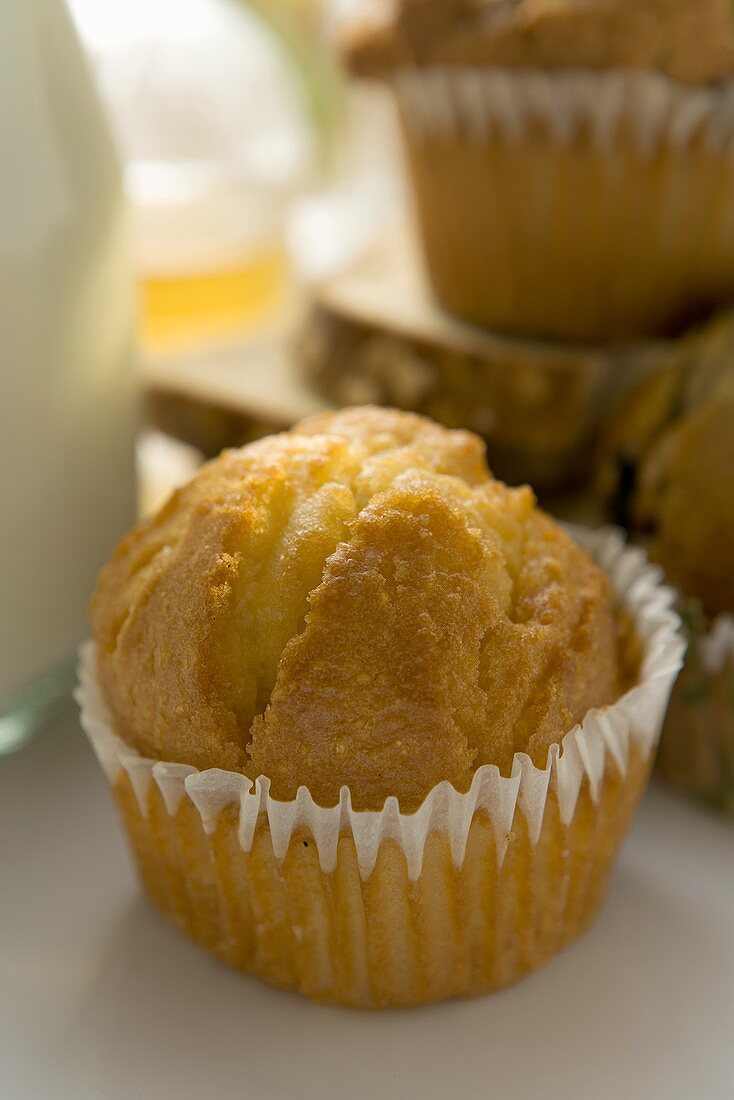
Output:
x=668 y=473
x=355 y=699
x=571 y=160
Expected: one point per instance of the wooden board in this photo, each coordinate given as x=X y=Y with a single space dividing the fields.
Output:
x=229 y=395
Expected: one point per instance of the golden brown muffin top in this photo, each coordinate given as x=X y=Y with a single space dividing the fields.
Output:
x=689 y=40
x=668 y=465
x=355 y=602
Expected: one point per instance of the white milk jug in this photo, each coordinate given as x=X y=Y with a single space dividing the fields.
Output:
x=66 y=332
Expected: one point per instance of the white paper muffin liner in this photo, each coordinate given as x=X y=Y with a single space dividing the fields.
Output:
x=606 y=733
x=478 y=101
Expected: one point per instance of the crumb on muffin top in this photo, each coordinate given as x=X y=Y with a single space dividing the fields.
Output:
x=689 y=40
x=354 y=602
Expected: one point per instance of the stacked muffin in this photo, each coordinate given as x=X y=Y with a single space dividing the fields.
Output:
x=574 y=185
x=573 y=174
x=570 y=159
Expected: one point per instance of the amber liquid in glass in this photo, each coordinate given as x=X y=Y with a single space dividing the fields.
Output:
x=193 y=307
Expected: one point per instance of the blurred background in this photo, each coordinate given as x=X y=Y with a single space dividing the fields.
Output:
x=252 y=171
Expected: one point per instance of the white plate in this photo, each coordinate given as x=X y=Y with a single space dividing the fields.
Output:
x=101 y=1000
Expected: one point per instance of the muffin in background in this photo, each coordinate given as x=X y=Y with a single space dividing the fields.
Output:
x=571 y=161
x=444 y=702
x=667 y=472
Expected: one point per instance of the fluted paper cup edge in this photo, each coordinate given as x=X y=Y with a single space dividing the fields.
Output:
x=477 y=101
x=605 y=735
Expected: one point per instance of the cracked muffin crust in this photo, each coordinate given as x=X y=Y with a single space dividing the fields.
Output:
x=353 y=602
x=689 y=40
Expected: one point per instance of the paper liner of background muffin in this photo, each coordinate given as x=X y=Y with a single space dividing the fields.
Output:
x=470 y=892
x=696 y=750
x=571 y=204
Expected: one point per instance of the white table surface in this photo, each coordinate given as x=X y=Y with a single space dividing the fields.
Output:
x=101 y=1000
